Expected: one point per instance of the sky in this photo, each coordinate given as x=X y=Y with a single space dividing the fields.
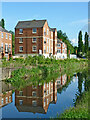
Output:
x=70 y=17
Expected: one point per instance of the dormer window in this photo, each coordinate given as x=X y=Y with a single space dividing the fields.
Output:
x=20 y=31
x=34 y=30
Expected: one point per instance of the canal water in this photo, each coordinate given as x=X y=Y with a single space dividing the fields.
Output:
x=44 y=101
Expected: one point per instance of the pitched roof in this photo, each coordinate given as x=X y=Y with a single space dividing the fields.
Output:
x=52 y=29
x=3 y=30
x=59 y=41
x=30 y=24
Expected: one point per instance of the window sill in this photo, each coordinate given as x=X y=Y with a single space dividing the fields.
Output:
x=34 y=32
x=20 y=33
x=20 y=51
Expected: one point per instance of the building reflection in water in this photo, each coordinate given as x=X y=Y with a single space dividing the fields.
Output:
x=5 y=94
x=36 y=99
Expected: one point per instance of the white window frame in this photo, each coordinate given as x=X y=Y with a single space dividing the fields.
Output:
x=33 y=39
x=6 y=100
x=9 y=98
x=34 y=92
x=20 y=92
x=21 y=101
x=6 y=36
x=34 y=103
x=34 y=50
x=44 y=102
x=59 y=50
x=1 y=35
x=63 y=45
x=6 y=44
x=20 y=40
x=20 y=32
x=2 y=101
x=19 y=49
x=47 y=31
x=63 y=51
x=9 y=37
x=10 y=47
x=34 y=28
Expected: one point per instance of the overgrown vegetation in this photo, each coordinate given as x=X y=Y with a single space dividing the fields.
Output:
x=38 y=69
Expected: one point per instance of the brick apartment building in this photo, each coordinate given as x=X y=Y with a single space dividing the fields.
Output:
x=35 y=37
x=61 y=49
x=36 y=99
x=5 y=43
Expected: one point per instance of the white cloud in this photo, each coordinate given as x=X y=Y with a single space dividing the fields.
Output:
x=74 y=41
x=84 y=21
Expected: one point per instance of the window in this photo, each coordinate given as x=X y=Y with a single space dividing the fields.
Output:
x=2 y=35
x=34 y=93
x=20 y=31
x=1 y=46
x=47 y=92
x=34 y=87
x=6 y=47
x=47 y=48
x=47 y=101
x=34 y=48
x=6 y=36
x=20 y=40
x=44 y=51
x=44 y=32
x=44 y=41
x=51 y=97
x=47 y=31
x=63 y=50
x=34 y=40
x=9 y=47
x=6 y=99
x=34 y=103
x=44 y=101
x=9 y=37
x=63 y=45
x=47 y=40
x=20 y=48
x=20 y=102
x=58 y=45
x=47 y=84
x=2 y=101
x=44 y=85
x=21 y=93
x=34 y=30
x=58 y=51
x=9 y=98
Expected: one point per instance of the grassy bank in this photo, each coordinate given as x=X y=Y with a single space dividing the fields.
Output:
x=43 y=70
x=80 y=110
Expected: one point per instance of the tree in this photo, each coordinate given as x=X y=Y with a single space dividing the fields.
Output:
x=86 y=42
x=2 y=23
x=75 y=49
x=80 y=44
x=65 y=39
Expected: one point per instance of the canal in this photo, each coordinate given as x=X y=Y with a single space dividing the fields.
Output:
x=46 y=100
